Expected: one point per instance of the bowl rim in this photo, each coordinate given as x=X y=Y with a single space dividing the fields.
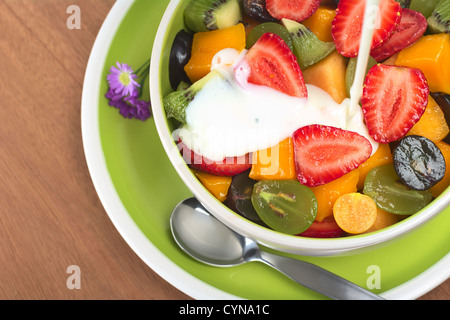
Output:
x=265 y=236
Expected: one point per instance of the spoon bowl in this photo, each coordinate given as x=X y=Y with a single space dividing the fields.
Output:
x=207 y=240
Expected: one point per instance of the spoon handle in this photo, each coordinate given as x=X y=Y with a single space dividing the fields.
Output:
x=317 y=278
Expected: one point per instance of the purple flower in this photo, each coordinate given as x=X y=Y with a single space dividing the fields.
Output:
x=130 y=107
x=122 y=80
x=124 y=92
x=143 y=107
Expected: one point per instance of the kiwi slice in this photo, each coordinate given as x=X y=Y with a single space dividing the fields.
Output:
x=272 y=27
x=439 y=21
x=308 y=48
x=176 y=102
x=351 y=70
x=425 y=7
x=206 y=15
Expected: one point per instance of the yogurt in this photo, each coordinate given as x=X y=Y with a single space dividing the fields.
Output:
x=231 y=117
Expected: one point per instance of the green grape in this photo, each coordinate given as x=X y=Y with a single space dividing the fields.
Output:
x=383 y=185
x=285 y=205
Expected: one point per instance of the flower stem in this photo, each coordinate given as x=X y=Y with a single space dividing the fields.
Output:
x=142 y=73
x=143 y=68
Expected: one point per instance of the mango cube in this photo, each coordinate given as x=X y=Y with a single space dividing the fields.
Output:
x=431 y=54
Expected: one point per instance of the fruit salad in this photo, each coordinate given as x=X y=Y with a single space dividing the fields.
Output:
x=267 y=121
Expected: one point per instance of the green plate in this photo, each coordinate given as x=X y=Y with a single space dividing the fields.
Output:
x=139 y=188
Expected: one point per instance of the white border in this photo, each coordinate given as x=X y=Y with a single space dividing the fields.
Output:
x=127 y=228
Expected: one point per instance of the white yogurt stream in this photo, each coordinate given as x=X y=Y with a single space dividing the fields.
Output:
x=230 y=117
x=370 y=23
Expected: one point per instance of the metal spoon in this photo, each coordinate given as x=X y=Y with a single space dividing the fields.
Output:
x=206 y=239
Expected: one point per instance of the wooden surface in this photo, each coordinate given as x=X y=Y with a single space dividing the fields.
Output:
x=50 y=216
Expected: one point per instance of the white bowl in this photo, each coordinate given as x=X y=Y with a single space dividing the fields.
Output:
x=171 y=23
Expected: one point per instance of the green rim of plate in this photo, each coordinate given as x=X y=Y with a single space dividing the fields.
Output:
x=149 y=188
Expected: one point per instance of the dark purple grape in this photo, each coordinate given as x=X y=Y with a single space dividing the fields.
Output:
x=256 y=9
x=442 y=99
x=239 y=197
x=179 y=57
x=418 y=162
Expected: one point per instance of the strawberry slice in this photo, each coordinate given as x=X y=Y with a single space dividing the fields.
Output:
x=227 y=167
x=323 y=154
x=394 y=98
x=297 y=10
x=327 y=228
x=273 y=64
x=412 y=26
x=346 y=27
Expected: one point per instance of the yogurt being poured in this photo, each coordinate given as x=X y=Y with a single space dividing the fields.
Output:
x=231 y=117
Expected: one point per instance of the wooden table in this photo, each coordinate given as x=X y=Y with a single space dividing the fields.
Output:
x=50 y=216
